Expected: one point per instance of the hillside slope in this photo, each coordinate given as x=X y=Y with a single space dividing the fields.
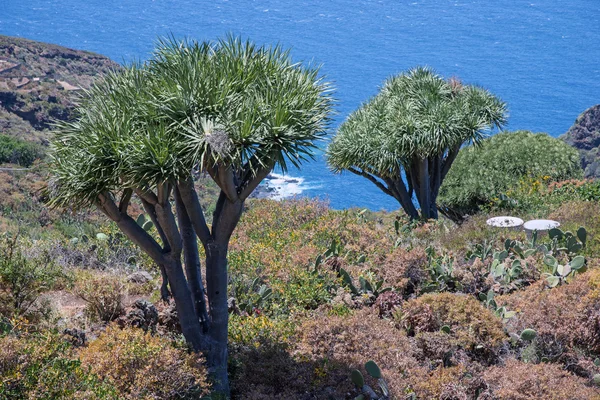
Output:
x=38 y=83
x=584 y=135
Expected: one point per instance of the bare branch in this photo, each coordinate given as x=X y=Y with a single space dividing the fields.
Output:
x=403 y=196
x=167 y=221
x=147 y=195
x=125 y=199
x=227 y=182
x=251 y=184
x=372 y=179
x=189 y=197
x=450 y=157
x=192 y=260
x=152 y=213
x=163 y=192
x=131 y=229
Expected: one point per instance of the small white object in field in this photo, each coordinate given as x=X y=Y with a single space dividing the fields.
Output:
x=505 y=222
x=540 y=225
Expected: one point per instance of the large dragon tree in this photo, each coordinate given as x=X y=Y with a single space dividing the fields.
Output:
x=229 y=109
x=414 y=127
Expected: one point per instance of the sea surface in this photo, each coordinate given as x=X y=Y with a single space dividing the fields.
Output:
x=541 y=57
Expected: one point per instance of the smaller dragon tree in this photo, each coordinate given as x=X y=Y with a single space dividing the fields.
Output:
x=230 y=109
x=406 y=138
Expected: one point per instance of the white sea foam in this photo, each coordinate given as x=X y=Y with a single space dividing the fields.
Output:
x=279 y=186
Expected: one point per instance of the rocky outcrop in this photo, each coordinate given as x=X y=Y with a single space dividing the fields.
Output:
x=584 y=135
x=39 y=82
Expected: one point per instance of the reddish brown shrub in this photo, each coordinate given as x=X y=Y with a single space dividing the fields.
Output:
x=472 y=326
x=348 y=342
x=454 y=383
x=142 y=366
x=566 y=317
x=387 y=302
x=405 y=270
x=520 y=381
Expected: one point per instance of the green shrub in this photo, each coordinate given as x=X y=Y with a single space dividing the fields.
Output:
x=16 y=151
x=42 y=366
x=482 y=174
x=22 y=280
x=103 y=294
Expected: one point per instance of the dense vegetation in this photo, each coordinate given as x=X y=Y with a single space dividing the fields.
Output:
x=322 y=303
x=484 y=172
x=16 y=151
x=229 y=109
x=406 y=138
x=315 y=293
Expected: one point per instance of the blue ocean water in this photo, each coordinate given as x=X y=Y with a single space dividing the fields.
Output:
x=542 y=58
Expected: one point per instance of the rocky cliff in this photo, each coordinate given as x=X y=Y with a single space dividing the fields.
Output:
x=39 y=82
x=584 y=135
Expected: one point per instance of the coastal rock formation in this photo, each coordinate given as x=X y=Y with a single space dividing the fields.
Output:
x=584 y=135
x=38 y=82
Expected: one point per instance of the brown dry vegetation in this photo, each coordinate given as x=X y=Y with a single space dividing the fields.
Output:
x=431 y=335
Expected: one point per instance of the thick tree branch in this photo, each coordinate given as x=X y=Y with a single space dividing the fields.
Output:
x=192 y=260
x=151 y=211
x=147 y=194
x=125 y=199
x=372 y=179
x=226 y=178
x=164 y=287
x=450 y=157
x=189 y=197
x=248 y=186
x=403 y=197
x=167 y=221
x=163 y=192
x=424 y=192
x=131 y=229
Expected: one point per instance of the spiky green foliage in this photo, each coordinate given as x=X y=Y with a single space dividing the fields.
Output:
x=230 y=109
x=483 y=172
x=417 y=116
x=193 y=105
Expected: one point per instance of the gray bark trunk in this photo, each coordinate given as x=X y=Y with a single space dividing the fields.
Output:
x=192 y=261
x=190 y=324
x=227 y=215
x=424 y=191
x=216 y=282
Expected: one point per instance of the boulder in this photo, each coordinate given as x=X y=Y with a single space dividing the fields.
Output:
x=142 y=314
x=584 y=135
x=139 y=277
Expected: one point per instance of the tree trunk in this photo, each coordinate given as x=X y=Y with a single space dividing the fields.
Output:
x=424 y=191
x=190 y=324
x=192 y=261
x=400 y=193
x=216 y=282
x=226 y=216
x=435 y=172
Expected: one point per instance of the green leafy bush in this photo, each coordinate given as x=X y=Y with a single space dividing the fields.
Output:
x=482 y=174
x=23 y=280
x=16 y=151
x=103 y=294
x=43 y=366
